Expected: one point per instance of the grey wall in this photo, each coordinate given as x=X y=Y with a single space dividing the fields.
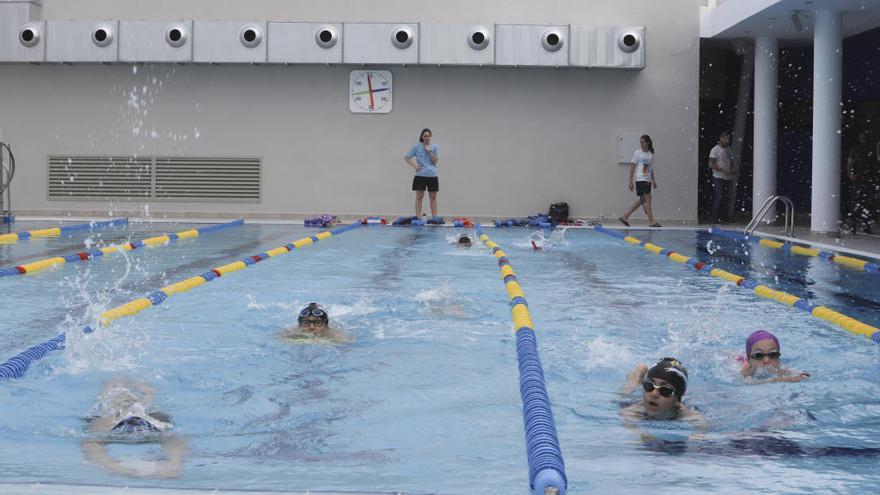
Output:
x=512 y=140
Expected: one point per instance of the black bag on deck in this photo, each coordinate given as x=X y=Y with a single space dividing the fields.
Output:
x=559 y=212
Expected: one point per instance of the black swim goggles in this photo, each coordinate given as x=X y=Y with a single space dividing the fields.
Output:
x=758 y=356
x=312 y=311
x=665 y=390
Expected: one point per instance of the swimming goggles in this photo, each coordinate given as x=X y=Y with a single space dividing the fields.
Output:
x=758 y=356
x=665 y=390
x=314 y=311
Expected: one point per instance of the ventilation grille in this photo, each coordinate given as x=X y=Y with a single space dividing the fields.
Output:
x=93 y=177
x=207 y=178
x=155 y=178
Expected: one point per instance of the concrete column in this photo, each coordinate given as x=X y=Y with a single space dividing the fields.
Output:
x=744 y=48
x=765 y=115
x=827 y=92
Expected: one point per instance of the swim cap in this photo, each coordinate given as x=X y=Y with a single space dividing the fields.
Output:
x=673 y=372
x=313 y=310
x=464 y=239
x=135 y=425
x=759 y=336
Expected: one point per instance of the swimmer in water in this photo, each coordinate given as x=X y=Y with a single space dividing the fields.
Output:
x=313 y=326
x=464 y=241
x=762 y=361
x=125 y=416
x=663 y=387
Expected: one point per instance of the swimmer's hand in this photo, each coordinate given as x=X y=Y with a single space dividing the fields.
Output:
x=632 y=186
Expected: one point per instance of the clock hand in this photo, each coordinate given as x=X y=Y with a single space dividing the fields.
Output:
x=370 y=87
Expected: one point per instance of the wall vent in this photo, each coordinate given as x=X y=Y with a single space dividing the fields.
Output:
x=99 y=177
x=209 y=179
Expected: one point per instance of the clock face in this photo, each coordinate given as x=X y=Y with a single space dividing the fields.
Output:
x=370 y=91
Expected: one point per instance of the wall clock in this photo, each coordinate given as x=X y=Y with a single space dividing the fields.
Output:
x=370 y=91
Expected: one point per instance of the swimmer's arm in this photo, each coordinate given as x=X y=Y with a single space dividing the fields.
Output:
x=701 y=426
x=632 y=172
x=630 y=417
x=633 y=380
x=339 y=337
x=175 y=449
x=788 y=376
x=97 y=452
x=148 y=392
x=408 y=159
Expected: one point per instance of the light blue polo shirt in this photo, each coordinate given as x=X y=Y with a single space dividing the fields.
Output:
x=426 y=168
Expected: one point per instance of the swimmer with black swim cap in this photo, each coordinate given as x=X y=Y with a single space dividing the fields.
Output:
x=465 y=240
x=663 y=386
x=126 y=415
x=313 y=316
x=313 y=326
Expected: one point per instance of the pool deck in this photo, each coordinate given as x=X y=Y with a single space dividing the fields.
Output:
x=862 y=245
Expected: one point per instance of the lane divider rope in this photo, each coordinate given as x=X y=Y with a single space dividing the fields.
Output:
x=57 y=231
x=546 y=466
x=18 y=365
x=847 y=323
x=840 y=259
x=161 y=240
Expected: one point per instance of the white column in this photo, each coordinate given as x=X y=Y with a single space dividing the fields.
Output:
x=827 y=91
x=764 y=130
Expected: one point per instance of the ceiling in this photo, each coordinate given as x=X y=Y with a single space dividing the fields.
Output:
x=787 y=20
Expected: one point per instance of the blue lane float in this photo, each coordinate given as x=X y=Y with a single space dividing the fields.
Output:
x=18 y=365
x=161 y=240
x=546 y=466
x=57 y=231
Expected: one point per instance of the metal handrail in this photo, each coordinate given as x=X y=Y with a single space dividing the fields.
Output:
x=789 y=215
x=7 y=172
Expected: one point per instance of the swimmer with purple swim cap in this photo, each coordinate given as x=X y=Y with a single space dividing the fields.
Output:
x=762 y=360
x=663 y=386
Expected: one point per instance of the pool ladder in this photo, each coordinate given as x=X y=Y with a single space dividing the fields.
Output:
x=7 y=171
x=789 y=215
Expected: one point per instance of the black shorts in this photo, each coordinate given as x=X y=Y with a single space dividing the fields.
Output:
x=643 y=188
x=432 y=184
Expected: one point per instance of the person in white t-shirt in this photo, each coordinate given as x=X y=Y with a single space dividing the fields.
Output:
x=721 y=163
x=641 y=180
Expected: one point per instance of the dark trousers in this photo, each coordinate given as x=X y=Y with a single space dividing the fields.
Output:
x=721 y=189
x=862 y=204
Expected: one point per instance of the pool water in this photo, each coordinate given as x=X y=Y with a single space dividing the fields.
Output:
x=425 y=399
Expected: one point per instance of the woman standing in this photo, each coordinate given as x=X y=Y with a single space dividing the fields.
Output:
x=423 y=158
x=641 y=179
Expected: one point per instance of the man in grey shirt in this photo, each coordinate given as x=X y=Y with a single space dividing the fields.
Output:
x=721 y=163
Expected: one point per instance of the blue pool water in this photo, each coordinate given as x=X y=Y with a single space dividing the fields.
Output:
x=426 y=399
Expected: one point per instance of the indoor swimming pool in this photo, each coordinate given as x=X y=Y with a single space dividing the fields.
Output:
x=424 y=398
